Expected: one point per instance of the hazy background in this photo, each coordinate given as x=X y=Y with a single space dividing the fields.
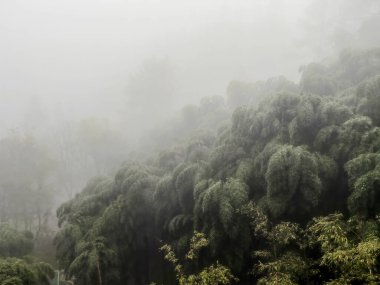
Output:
x=73 y=58
x=88 y=77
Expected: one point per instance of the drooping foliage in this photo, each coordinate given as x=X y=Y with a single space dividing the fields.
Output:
x=293 y=182
x=364 y=181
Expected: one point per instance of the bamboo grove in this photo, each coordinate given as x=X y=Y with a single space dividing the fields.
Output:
x=278 y=184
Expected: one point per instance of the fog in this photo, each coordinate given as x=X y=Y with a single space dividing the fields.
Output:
x=75 y=57
x=74 y=72
x=127 y=122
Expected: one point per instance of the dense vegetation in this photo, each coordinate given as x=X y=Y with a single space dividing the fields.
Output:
x=16 y=268
x=277 y=184
x=283 y=182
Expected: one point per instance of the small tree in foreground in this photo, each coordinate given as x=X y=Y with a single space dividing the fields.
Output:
x=215 y=274
x=281 y=260
x=350 y=249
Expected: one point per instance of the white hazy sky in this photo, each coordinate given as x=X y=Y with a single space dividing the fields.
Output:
x=75 y=56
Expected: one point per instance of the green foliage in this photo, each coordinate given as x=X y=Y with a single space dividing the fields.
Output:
x=298 y=155
x=293 y=181
x=351 y=254
x=184 y=184
x=216 y=214
x=92 y=257
x=214 y=274
x=280 y=262
x=364 y=180
x=14 y=243
x=330 y=232
x=369 y=99
x=224 y=160
x=85 y=247
x=284 y=270
x=18 y=272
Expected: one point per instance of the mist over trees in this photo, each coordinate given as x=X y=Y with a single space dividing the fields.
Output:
x=200 y=142
x=265 y=189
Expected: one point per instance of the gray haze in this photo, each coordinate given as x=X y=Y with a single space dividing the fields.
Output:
x=120 y=65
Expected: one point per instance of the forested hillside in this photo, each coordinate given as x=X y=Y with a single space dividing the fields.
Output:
x=279 y=183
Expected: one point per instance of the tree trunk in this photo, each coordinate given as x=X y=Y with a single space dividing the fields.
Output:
x=99 y=274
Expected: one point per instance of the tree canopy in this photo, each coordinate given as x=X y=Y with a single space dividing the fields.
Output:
x=287 y=190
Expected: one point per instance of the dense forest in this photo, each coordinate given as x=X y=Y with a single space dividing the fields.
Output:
x=276 y=184
x=208 y=142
